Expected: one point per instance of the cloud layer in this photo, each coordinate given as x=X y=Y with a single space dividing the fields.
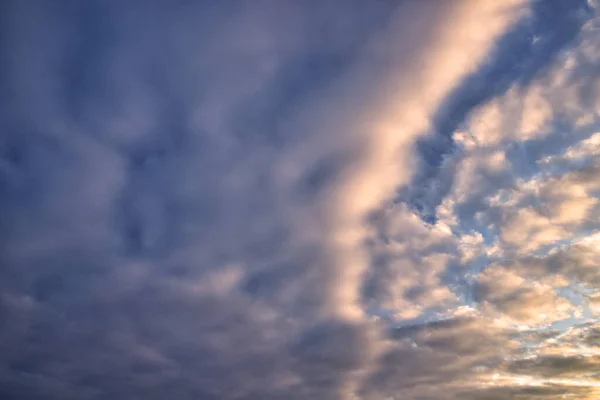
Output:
x=299 y=200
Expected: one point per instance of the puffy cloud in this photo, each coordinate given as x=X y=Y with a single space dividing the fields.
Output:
x=512 y=296
x=410 y=258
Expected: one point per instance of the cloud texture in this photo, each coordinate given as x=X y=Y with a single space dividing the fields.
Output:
x=299 y=200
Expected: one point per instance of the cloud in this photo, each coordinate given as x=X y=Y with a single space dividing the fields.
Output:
x=222 y=201
x=558 y=366
x=513 y=297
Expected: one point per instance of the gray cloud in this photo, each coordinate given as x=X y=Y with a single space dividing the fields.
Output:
x=557 y=366
x=194 y=204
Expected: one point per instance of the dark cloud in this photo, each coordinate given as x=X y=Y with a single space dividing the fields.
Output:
x=529 y=393
x=557 y=366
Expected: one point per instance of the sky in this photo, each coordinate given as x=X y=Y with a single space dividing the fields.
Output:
x=314 y=199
